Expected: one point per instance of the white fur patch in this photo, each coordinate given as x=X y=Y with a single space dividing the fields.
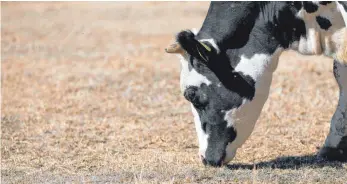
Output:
x=192 y=77
x=254 y=66
x=258 y=64
x=202 y=136
x=311 y=44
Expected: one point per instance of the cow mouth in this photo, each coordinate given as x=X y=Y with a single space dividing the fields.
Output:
x=219 y=163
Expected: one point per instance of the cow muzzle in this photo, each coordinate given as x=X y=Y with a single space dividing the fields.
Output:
x=213 y=161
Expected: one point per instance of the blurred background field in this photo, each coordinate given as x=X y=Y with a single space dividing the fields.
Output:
x=89 y=95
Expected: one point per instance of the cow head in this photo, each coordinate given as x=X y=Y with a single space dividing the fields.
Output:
x=220 y=98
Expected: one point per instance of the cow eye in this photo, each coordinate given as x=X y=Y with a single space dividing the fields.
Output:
x=190 y=93
x=195 y=96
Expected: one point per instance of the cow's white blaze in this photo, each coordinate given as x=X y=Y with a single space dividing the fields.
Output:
x=202 y=136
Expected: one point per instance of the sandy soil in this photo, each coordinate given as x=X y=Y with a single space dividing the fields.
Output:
x=88 y=95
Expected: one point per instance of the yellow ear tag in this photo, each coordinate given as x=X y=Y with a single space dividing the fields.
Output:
x=206 y=47
x=201 y=54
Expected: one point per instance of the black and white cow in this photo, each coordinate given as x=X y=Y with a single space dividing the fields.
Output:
x=227 y=68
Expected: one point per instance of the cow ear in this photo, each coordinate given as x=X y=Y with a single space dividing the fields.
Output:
x=200 y=50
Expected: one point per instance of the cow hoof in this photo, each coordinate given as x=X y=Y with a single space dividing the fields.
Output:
x=333 y=154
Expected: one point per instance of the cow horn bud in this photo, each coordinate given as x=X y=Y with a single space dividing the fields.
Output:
x=174 y=48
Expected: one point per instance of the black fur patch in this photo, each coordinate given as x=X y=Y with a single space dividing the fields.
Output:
x=325 y=2
x=188 y=42
x=297 y=5
x=334 y=154
x=338 y=154
x=217 y=141
x=193 y=47
x=310 y=7
x=230 y=23
x=323 y=23
x=343 y=144
x=286 y=27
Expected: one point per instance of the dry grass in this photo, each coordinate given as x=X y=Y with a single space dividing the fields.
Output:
x=88 y=95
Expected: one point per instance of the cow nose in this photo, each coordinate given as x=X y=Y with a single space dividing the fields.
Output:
x=212 y=162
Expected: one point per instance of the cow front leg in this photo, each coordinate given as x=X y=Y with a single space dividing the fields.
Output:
x=335 y=146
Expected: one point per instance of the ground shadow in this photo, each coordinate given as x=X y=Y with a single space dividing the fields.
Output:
x=289 y=162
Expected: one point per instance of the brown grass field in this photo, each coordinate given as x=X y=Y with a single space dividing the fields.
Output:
x=90 y=96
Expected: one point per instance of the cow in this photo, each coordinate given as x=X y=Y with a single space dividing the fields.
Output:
x=227 y=68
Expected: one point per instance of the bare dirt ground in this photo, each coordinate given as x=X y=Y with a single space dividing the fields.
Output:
x=89 y=96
